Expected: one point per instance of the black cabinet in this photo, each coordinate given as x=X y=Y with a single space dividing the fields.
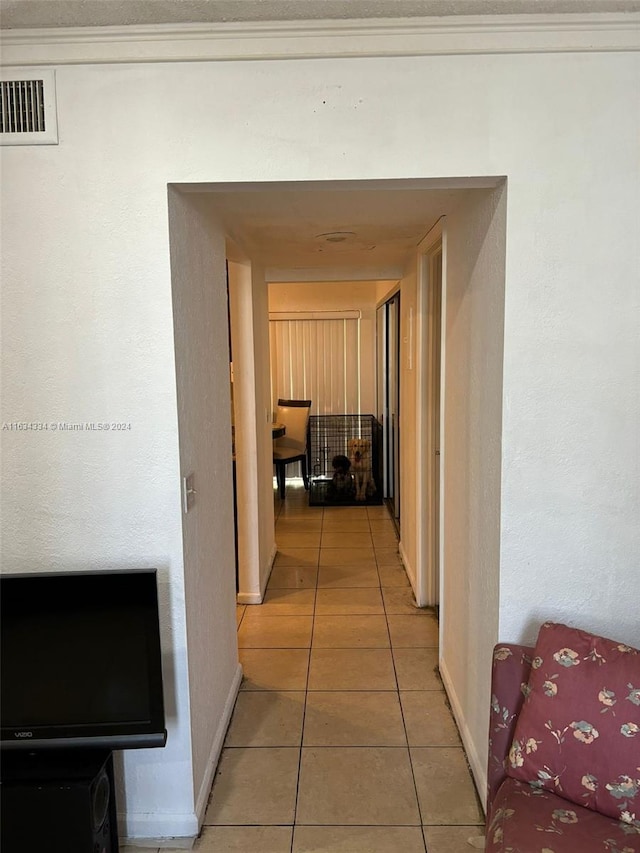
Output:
x=58 y=802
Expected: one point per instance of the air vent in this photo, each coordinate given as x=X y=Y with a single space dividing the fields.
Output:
x=22 y=106
x=28 y=108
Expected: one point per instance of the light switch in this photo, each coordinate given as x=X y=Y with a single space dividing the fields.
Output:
x=188 y=492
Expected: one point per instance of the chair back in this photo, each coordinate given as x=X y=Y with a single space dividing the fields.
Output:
x=294 y=414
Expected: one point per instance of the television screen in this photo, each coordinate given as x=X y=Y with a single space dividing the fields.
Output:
x=81 y=660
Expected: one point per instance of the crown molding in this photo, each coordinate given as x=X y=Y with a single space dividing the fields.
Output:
x=559 y=33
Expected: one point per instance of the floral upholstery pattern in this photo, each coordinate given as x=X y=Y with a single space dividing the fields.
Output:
x=578 y=733
x=509 y=679
x=523 y=816
x=530 y=819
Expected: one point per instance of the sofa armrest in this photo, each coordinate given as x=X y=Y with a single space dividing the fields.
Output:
x=509 y=676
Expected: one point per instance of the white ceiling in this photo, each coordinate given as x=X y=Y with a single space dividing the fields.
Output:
x=83 y=13
x=282 y=226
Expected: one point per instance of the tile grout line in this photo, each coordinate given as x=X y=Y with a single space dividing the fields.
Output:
x=337 y=746
x=378 y=573
x=306 y=693
x=404 y=725
x=295 y=805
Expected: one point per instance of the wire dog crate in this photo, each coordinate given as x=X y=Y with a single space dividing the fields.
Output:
x=341 y=471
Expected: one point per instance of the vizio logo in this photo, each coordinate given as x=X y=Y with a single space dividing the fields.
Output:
x=23 y=734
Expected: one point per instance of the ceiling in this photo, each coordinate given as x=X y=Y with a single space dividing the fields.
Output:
x=349 y=231
x=16 y=14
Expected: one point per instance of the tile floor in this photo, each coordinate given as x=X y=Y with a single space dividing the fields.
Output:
x=341 y=740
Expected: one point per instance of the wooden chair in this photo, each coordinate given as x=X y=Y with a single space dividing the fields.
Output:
x=292 y=447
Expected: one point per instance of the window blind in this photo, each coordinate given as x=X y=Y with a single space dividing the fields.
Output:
x=317 y=359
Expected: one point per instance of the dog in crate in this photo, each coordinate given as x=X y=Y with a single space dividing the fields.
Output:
x=360 y=458
x=342 y=486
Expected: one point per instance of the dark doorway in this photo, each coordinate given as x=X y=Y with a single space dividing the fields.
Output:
x=388 y=394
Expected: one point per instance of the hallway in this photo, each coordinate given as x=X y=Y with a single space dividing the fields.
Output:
x=341 y=740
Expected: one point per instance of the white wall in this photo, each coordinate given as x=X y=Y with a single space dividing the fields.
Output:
x=87 y=309
x=87 y=336
x=473 y=317
x=244 y=383
x=204 y=419
x=254 y=444
x=264 y=419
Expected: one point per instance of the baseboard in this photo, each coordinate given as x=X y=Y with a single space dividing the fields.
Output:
x=180 y=830
x=477 y=767
x=154 y=828
x=249 y=598
x=216 y=748
x=257 y=597
x=182 y=843
x=407 y=567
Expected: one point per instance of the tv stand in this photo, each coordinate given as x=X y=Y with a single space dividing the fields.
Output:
x=61 y=801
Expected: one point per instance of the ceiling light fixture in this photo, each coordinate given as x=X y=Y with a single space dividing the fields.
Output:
x=336 y=236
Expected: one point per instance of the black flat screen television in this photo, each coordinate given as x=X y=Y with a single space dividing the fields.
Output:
x=80 y=660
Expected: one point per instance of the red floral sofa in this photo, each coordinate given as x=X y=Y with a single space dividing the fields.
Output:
x=564 y=746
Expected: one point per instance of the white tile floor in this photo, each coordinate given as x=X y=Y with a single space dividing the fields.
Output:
x=341 y=740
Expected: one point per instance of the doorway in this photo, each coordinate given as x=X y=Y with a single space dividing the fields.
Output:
x=473 y=311
x=388 y=399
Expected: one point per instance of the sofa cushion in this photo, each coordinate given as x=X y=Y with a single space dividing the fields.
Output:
x=531 y=820
x=578 y=733
x=509 y=679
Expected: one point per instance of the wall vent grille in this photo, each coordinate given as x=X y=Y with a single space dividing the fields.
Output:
x=28 y=109
x=22 y=106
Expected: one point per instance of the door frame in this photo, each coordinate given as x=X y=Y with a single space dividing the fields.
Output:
x=429 y=504
x=388 y=359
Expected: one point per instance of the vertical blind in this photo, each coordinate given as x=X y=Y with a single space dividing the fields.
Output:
x=317 y=358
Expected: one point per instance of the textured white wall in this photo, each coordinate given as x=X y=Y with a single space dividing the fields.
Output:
x=87 y=307
x=204 y=420
x=473 y=309
x=87 y=336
